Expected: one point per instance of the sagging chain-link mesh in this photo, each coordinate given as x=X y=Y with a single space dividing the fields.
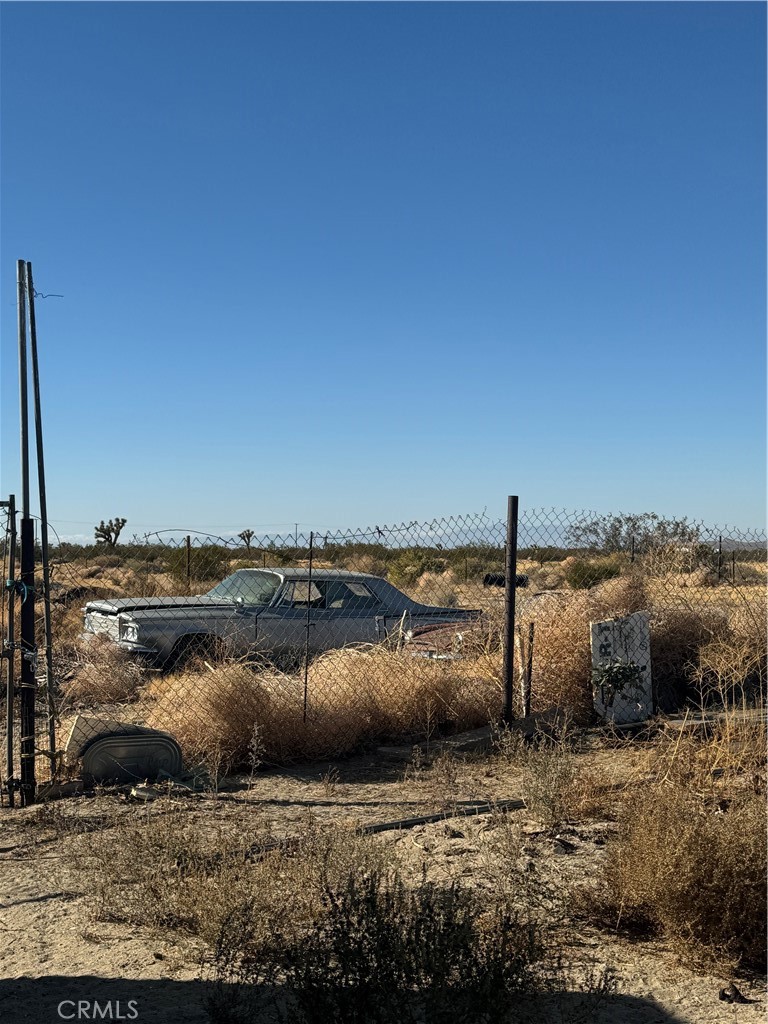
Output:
x=310 y=645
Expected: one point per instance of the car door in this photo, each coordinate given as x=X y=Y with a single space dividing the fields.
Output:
x=284 y=627
x=319 y=616
x=348 y=616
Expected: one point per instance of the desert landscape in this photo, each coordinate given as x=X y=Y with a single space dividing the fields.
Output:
x=399 y=854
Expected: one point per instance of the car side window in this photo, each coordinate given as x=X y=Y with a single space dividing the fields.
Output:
x=341 y=594
x=302 y=593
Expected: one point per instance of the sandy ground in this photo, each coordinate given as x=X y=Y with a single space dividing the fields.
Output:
x=53 y=953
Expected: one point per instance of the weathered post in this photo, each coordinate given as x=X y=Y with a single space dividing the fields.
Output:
x=528 y=670
x=510 y=575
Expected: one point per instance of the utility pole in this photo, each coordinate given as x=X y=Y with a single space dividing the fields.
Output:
x=43 y=522
x=27 y=578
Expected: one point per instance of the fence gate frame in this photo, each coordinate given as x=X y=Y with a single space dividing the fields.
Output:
x=8 y=649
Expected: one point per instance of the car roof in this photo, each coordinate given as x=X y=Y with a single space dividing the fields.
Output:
x=317 y=574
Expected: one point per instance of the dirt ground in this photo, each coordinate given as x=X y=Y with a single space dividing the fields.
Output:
x=53 y=952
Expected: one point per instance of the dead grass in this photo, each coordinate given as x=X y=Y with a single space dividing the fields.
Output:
x=689 y=859
x=693 y=873
x=706 y=641
x=562 y=661
x=101 y=673
x=358 y=696
x=162 y=870
x=329 y=928
x=677 y=637
x=353 y=697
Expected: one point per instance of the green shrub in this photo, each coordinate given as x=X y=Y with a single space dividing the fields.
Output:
x=381 y=952
x=410 y=565
x=208 y=562
x=582 y=574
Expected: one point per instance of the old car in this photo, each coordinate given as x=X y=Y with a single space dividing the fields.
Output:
x=283 y=613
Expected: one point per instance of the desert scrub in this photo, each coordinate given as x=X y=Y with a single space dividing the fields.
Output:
x=101 y=673
x=693 y=872
x=355 y=697
x=205 y=562
x=161 y=870
x=689 y=858
x=581 y=573
x=547 y=774
x=380 y=951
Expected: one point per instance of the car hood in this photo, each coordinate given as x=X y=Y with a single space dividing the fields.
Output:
x=113 y=606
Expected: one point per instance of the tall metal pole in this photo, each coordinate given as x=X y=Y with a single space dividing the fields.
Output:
x=510 y=575
x=309 y=625
x=27 y=576
x=51 y=707
x=10 y=687
x=21 y=286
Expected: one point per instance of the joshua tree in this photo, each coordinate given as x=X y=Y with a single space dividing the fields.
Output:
x=107 y=533
x=246 y=537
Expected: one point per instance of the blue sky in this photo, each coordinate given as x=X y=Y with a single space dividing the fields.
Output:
x=345 y=264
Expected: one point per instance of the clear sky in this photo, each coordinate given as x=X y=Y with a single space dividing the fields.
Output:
x=342 y=264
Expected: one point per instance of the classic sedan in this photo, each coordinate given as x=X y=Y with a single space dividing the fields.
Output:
x=276 y=612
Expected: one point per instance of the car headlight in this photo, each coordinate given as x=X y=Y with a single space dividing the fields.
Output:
x=129 y=631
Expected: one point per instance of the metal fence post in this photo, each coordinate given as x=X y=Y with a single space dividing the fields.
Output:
x=528 y=670
x=309 y=623
x=509 y=608
x=10 y=651
x=188 y=546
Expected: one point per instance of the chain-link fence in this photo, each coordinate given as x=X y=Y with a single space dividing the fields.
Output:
x=264 y=649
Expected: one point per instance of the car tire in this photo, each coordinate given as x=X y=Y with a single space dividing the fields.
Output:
x=194 y=647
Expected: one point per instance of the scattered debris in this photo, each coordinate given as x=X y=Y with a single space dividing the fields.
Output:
x=57 y=790
x=730 y=994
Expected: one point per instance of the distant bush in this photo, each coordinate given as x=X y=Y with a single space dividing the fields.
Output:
x=582 y=574
x=108 y=561
x=209 y=562
x=546 y=553
x=413 y=563
x=141 y=565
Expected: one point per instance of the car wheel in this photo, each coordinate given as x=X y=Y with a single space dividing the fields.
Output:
x=198 y=647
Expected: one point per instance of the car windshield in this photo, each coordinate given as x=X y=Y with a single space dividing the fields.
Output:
x=253 y=586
